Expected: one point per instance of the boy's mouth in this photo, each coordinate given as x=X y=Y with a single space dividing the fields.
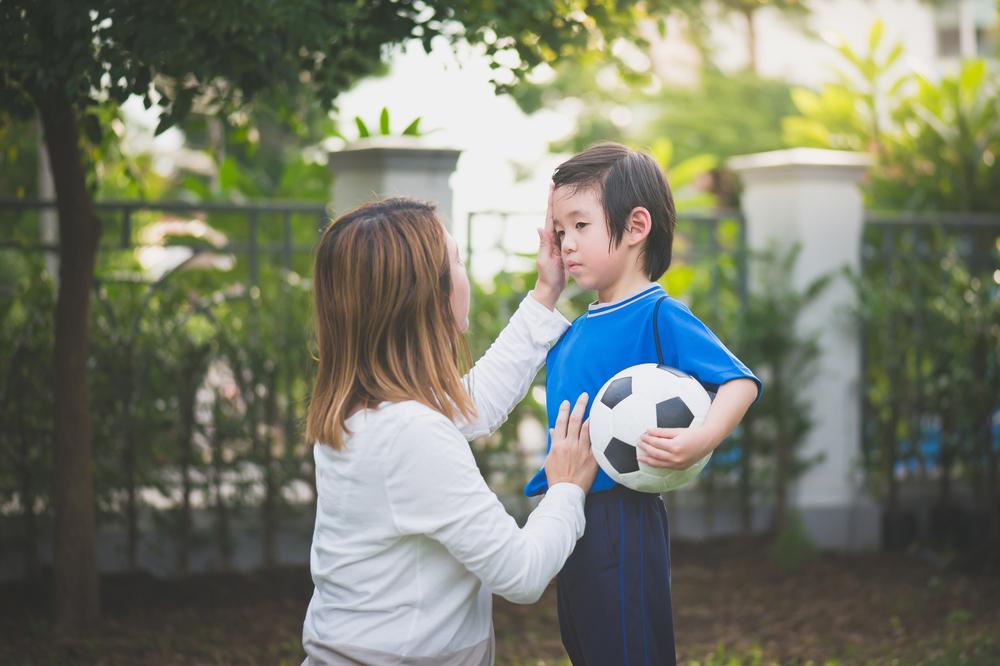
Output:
x=570 y=265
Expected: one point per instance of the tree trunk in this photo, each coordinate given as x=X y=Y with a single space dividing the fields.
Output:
x=75 y=585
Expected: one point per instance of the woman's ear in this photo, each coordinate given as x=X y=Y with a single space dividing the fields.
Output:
x=639 y=225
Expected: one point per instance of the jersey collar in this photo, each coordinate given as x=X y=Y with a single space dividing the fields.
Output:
x=596 y=309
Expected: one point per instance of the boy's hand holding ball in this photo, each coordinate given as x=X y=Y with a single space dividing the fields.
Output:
x=675 y=448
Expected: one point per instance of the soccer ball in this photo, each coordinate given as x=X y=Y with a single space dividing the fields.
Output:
x=630 y=403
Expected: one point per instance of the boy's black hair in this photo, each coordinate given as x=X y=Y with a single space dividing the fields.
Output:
x=625 y=179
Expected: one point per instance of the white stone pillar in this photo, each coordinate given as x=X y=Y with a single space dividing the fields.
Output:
x=812 y=197
x=392 y=166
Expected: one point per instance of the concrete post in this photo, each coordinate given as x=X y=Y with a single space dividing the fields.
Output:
x=391 y=166
x=812 y=197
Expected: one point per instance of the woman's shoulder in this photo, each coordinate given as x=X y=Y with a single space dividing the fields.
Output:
x=409 y=419
x=408 y=411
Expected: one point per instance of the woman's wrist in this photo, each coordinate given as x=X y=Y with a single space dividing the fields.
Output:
x=546 y=294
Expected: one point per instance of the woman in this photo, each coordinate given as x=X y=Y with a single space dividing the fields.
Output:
x=409 y=542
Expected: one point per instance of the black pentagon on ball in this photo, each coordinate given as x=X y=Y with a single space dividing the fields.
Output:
x=673 y=413
x=674 y=371
x=621 y=456
x=617 y=391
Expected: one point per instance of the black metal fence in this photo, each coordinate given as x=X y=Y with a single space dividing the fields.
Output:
x=200 y=335
x=929 y=300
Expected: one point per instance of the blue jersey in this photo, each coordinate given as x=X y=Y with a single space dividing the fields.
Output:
x=611 y=337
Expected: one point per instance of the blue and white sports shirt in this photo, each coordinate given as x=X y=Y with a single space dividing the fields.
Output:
x=610 y=337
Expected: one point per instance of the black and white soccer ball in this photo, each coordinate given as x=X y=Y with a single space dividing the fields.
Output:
x=630 y=403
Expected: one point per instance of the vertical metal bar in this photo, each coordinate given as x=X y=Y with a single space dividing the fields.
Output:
x=888 y=256
x=126 y=232
x=252 y=259
x=286 y=224
x=713 y=252
x=743 y=263
x=863 y=408
x=918 y=331
x=254 y=334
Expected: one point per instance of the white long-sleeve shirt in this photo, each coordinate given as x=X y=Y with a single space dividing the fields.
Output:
x=410 y=543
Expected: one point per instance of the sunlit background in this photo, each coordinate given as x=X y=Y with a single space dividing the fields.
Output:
x=834 y=168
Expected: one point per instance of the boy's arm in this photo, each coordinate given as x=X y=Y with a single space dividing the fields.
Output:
x=679 y=448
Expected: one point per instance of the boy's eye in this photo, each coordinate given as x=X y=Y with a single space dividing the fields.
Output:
x=581 y=225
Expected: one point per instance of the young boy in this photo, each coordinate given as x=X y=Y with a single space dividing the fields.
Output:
x=613 y=216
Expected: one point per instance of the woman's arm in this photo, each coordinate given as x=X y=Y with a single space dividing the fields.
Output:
x=435 y=489
x=502 y=377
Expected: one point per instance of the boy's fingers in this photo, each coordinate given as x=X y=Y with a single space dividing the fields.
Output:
x=659 y=443
x=656 y=453
x=652 y=462
x=665 y=432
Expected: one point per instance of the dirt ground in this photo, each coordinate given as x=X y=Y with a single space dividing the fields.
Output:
x=732 y=607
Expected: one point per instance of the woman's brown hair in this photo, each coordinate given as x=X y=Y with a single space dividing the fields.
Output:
x=384 y=324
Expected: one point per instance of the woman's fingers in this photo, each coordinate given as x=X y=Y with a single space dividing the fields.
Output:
x=576 y=417
x=561 y=420
x=548 y=208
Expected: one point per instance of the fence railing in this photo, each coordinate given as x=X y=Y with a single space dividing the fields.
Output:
x=930 y=306
x=200 y=326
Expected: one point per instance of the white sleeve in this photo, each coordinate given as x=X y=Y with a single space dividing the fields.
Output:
x=501 y=378
x=435 y=489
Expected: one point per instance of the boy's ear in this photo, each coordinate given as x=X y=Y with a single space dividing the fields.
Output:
x=639 y=225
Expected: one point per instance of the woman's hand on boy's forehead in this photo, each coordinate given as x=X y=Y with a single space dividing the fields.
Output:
x=551 y=274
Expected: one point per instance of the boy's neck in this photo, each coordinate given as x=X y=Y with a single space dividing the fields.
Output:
x=627 y=285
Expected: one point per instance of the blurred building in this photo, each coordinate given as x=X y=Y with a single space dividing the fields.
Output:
x=796 y=47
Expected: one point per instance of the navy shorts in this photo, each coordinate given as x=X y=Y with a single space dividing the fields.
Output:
x=614 y=592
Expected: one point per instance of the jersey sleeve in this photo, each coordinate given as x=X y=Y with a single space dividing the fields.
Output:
x=691 y=346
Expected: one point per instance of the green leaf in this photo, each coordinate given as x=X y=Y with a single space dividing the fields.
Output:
x=971 y=77
x=413 y=129
x=663 y=152
x=383 y=121
x=806 y=101
x=363 y=132
x=229 y=174
x=893 y=56
x=875 y=35
x=687 y=171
